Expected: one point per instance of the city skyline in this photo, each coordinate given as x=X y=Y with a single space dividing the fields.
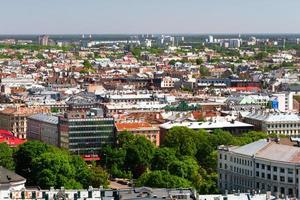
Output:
x=134 y=16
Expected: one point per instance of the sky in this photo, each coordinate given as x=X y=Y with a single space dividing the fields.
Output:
x=148 y=16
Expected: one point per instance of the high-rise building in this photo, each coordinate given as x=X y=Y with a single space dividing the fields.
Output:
x=43 y=40
x=210 y=39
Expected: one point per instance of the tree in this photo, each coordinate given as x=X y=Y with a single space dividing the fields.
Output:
x=56 y=169
x=87 y=64
x=204 y=71
x=99 y=177
x=261 y=55
x=162 y=158
x=6 y=156
x=162 y=179
x=199 y=61
x=182 y=139
x=24 y=156
x=138 y=156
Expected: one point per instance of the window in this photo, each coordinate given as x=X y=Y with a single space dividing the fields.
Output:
x=257 y=185
x=220 y=165
x=262 y=166
x=275 y=189
x=281 y=170
x=274 y=177
x=268 y=167
x=275 y=169
x=290 y=171
x=263 y=175
x=257 y=165
x=290 y=179
x=268 y=176
x=257 y=174
x=282 y=178
x=225 y=157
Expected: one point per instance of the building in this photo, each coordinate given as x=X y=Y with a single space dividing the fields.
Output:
x=141 y=193
x=10 y=181
x=263 y=165
x=277 y=123
x=14 y=119
x=43 y=127
x=140 y=128
x=238 y=196
x=43 y=40
x=85 y=133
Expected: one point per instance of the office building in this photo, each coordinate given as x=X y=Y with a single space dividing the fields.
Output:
x=85 y=133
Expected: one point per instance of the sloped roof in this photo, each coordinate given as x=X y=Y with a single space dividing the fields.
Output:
x=7 y=176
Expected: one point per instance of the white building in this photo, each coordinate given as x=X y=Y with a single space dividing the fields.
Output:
x=276 y=123
x=10 y=181
x=262 y=165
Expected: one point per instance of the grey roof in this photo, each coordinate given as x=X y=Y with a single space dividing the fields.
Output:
x=273 y=117
x=270 y=151
x=7 y=176
x=250 y=149
x=45 y=118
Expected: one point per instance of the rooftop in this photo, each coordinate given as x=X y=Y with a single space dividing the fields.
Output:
x=134 y=126
x=7 y=176
x=270 y=150
x=45 y=118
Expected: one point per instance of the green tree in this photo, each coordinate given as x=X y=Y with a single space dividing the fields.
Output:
x=199 y=61
x=162 y=179
x=99 y=177
x=6 y=156
x=139 y=155
x=162 y=158
x=182 y=139
x=261 y=55
x=204 y=71
x=56 y=169
x=87 y=64
x=24 y=157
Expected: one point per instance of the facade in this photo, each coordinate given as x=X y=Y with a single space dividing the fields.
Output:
x=43 y=127
x=140 y=128
x=85 y=133
x=263 y=165
x=104 y=194
x=278 y=123
x=14 y=119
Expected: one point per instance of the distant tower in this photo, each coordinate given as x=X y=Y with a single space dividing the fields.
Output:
x=43 y=40
x=283 y=45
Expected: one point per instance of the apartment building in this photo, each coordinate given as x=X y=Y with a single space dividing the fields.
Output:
x=140 y=128
x=43 y=127
x=14 y=119
x=277 y=123
x=263 y=165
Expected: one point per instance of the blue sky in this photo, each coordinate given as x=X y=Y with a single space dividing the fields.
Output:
x=149 y=16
